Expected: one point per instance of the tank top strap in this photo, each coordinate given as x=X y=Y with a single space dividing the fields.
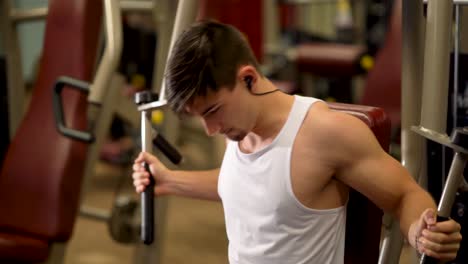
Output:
x=296 y=117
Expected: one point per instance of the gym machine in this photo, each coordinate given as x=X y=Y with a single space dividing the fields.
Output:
x=122 y=223
x=425 y=57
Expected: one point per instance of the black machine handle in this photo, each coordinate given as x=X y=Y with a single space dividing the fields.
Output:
x=147 y=210
x=81 y=86
x=147 y=196
x=167 y=149
x=425 y=259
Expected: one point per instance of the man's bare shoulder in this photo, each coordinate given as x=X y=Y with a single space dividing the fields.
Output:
x=327 y=123
x=335 y=132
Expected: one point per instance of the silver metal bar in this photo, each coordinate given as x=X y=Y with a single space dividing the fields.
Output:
x=436 y=65
x=94 y=213
x=146 y=131
x=455 y=2
x=137 y=5
x=112 y=52
x=271 y=29
x=411 y=143
x=456 y=53
x=164 y=17
x=413 y=35
x=454 y=181
x=436 y=71
x=152 y=106
x=15 y=81
x=441 y=138
x=392 y=243
x=20 y=15
x=186 y=14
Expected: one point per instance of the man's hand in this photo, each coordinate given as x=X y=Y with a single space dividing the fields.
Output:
x=440 y=240
x=141 y=176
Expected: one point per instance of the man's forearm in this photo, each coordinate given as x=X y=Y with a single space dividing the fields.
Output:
x=195 y=184
x=411 y=207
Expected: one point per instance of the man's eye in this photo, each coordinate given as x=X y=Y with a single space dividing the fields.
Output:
x=213 y=111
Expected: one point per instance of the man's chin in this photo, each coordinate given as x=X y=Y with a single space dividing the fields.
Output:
x=236 y=137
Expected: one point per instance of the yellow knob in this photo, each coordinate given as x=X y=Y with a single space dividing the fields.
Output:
x=367 y=62
x=138 y=81
x=157 y=117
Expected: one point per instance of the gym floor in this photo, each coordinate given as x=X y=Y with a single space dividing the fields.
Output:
x=195 y=230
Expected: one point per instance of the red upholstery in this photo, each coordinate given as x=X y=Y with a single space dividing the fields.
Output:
x=364 y=219
x=18 y=248
x=41 y=176
x=329 y=60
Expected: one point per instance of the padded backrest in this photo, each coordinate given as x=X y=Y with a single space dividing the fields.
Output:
x=364 y=219
x=41 y=176
x=383 y=84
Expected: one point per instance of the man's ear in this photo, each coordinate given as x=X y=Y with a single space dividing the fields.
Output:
x=248 y=81
x=248 y=74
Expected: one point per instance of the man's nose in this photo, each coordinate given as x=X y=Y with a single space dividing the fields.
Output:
x=211 y=128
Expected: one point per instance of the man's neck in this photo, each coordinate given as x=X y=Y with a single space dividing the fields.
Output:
x=274 y=112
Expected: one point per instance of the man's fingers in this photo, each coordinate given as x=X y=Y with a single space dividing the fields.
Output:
x=140 y=185
x=429 y=216
x=145 y=157
x=140 y=158
x=442 y=238
x=447 y=256
x=140 y=188
x=449 y=226
x=137 y=175
x=438 y=247
x=138 y=167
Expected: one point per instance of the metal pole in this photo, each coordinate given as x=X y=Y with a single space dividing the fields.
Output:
x=454 y=181
x=271 y=28
x=411 y=143
x=164 y=15
x=436 y=65
x=187 y=11
x=15 y=81
x=456 y=53
x=141 y=5
x=455 y=2
x=112 y=52
x=463 y=30
x=18 y=15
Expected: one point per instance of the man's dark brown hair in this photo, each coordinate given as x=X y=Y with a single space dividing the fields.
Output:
x=205 y=56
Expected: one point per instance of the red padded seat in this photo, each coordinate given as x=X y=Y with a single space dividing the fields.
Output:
x=42 y=172
x=364 y=218
x=19 y=248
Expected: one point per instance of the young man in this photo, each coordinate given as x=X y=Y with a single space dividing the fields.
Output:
x=289 y=162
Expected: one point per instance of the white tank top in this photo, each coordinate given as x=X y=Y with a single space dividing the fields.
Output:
x=265 y=222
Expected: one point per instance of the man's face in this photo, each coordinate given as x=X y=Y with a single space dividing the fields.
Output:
x=225 y=111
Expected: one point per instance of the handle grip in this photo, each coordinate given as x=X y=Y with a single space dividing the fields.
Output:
x=61 y=82
x=167 y=149
x=425 y=259
x=147 y=210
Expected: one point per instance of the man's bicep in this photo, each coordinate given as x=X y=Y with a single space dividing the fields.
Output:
x=380 y=178
x=367 y=168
